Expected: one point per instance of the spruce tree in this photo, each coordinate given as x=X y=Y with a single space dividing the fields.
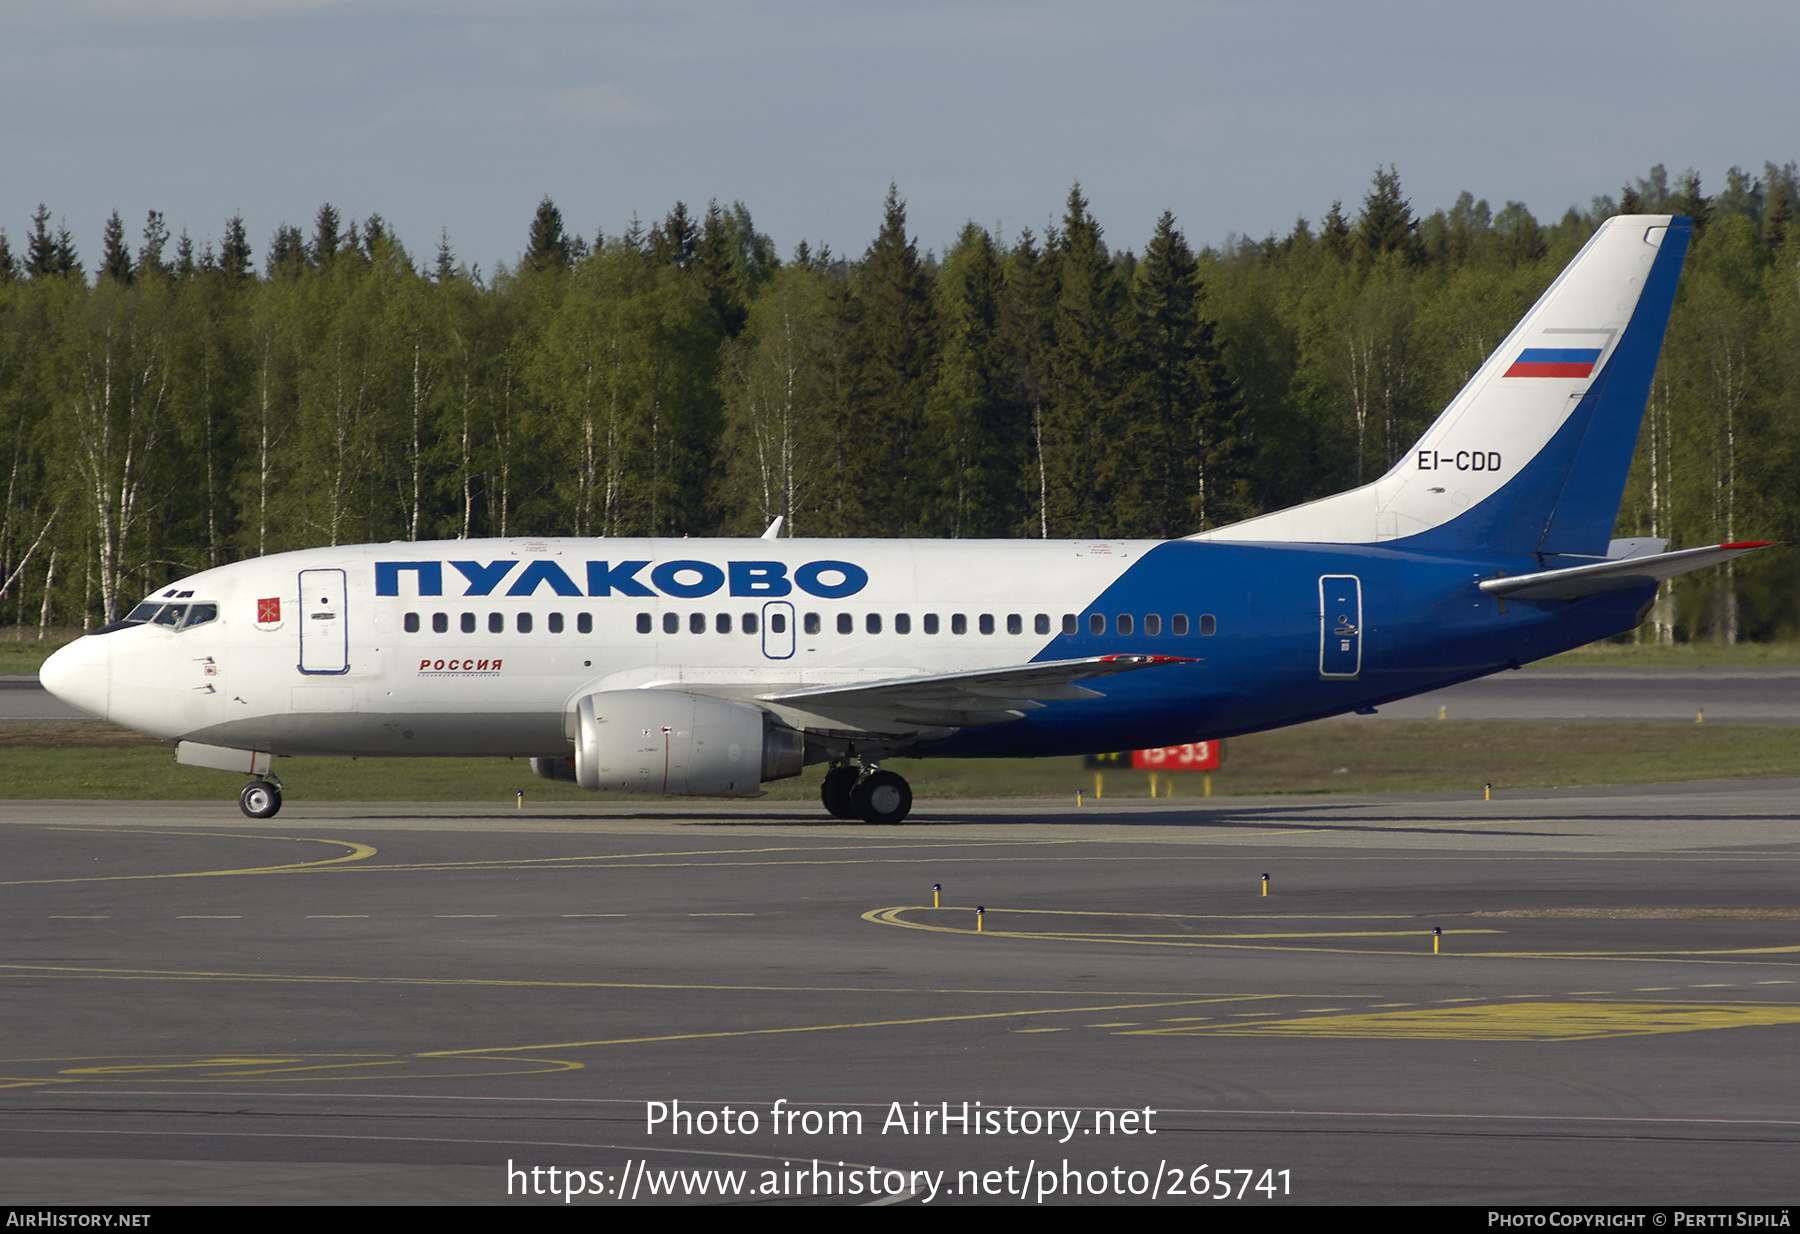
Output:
x=156 y=238
x=1387 y=224
x=327 y=238
x=234 y=251
x=547 y=246
x=896 y=344
x=115 y=260
x=287 y=253
x=675 y=242
x=40 y=245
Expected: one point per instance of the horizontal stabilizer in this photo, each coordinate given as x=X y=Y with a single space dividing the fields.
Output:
x=1573 y=582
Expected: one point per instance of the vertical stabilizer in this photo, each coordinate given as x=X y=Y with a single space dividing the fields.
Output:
x=1531 y=455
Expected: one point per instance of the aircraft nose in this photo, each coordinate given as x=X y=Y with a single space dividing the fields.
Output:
x=81 y=673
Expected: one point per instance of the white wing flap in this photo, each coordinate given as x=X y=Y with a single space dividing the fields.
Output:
x=967 y=699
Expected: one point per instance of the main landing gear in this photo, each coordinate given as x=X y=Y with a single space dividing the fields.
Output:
x=865 y=792
x=261 y=797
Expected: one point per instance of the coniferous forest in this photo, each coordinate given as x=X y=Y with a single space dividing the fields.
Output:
x=177 y=407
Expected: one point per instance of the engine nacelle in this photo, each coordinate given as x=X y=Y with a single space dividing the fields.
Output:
x=666 y=744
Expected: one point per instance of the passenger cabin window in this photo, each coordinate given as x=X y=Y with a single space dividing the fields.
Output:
x=872 y=623
x=522 y=623
x=1209 y=625
x=902 y=623
x=696 y=623
x=1178 y=625
x=496 y=623
x=811 y=623
x=846 y=623
x=959 y=624
x=1015 y=624
x=778 y=623
x=1126 y=624
x=468 y=623
x=722 y=623
x=1153 y=624
x=987 y=623
x=1041 y=623
x=556 y=623
x=749 y=623
x=671 y=624
x=584 y=623
x=1069 y=623
x=1096 y=623
x=931 y=623
x=440 y=623
x=644 y=623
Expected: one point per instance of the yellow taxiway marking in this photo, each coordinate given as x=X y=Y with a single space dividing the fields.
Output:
x=1262 y=941
x=910 y=1022
x=358 y=852
x=1513 y=1022
x=79 y=972
x=190 y=1069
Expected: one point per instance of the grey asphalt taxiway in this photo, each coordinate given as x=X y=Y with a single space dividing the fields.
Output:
x=413 y=1004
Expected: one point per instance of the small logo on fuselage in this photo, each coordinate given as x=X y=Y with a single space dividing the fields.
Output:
x=458 y=668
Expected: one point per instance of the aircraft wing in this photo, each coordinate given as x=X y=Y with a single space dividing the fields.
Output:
x=1573 y=582
x=962 y=700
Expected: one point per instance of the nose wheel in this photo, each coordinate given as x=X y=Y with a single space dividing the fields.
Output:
x=260 y=799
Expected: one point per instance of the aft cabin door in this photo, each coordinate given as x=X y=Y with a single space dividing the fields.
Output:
x=324 y=637
x=1340 y=626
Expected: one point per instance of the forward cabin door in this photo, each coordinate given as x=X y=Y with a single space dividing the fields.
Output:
x=324 y=625
x=1340 y=626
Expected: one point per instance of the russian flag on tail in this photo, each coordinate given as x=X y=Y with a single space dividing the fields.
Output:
x=1555 y=362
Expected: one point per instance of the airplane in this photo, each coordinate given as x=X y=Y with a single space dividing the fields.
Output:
x=709 y=667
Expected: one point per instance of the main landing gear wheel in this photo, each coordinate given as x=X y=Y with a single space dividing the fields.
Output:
x=260 y=799
x=881 y=797
x=835 y=792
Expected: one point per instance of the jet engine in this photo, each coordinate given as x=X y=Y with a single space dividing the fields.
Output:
x=667 y=744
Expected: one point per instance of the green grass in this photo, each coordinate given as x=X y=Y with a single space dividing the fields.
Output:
x=1329 y=757
x=1678 y=655
x=27 y=655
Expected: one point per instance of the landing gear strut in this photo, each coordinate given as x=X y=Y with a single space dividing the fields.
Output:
x=868 y=793
x=261 y=798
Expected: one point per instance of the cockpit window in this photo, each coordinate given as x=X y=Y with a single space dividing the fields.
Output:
x=200 y=614
x=171 y=616
x=143 y=612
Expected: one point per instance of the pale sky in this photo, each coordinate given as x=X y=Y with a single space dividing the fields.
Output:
x=1235 y=116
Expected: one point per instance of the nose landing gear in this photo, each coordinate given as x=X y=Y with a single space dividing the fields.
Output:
x=261 y=798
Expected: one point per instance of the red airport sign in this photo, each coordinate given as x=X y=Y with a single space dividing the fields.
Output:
x=1195 y=756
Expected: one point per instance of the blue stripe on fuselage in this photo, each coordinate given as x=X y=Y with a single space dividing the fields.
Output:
x=1425 y=625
